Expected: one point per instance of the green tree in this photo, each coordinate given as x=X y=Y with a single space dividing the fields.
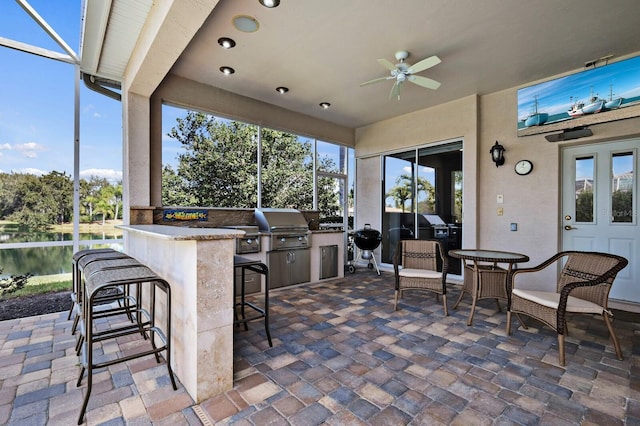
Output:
x=400 y=194
x=219 y=167
x=584 y=206
x=622 y=206
x=287 y=171
x=90 y=194
x=43 y=201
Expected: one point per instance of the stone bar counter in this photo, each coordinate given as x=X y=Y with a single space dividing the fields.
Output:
x=198 y=264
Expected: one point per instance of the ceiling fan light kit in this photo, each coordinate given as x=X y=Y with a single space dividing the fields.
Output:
x=403 y=71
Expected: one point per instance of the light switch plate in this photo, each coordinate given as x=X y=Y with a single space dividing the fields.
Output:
x=500 y=199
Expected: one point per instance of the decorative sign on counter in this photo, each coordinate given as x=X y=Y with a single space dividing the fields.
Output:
x=182 y=214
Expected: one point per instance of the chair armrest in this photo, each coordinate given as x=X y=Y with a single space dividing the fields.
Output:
x=541 y=266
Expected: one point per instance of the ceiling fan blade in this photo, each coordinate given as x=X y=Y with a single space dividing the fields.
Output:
x=395 y=91
x=388 y=65
x=424 y=64
x=375 y=80
x=424 y=82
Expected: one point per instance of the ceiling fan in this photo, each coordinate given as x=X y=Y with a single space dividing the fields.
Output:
x=403 y=71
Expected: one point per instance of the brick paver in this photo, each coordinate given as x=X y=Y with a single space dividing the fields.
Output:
x=342 y=355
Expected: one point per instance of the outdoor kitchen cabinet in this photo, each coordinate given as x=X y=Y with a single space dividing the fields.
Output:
x=328 y=261
x=288 y=267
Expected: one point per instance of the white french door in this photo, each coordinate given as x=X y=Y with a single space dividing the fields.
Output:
x=600 y=206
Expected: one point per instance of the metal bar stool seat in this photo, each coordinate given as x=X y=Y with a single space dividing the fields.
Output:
x=80 y=260
x=102 y=302
x=159 y=338
x=75 y=273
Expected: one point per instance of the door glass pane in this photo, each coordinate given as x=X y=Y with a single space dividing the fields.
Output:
x=399 y=202
x=456 y=178
x=584 y=189
x=426 y=190
x=438 y=169
x=622 y=187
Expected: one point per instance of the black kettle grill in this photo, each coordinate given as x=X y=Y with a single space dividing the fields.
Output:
x=366 y=240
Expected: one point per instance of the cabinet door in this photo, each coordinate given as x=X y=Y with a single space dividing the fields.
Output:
x=278 y=269
x=299 y=266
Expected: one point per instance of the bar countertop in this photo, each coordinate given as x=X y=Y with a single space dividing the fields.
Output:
x=183 y=233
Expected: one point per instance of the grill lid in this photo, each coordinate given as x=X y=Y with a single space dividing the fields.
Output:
x=281 y=220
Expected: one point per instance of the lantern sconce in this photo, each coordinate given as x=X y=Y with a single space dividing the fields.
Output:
x=497 y=154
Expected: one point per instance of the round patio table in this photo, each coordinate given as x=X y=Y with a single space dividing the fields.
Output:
x=483 y=278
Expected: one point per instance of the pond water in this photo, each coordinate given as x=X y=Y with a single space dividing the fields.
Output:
x=46 y=260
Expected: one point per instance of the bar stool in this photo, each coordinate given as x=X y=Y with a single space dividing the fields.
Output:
x=75 y=273
x=101 y=280
x=261 y=312
x=79 y=262
x=121 y=295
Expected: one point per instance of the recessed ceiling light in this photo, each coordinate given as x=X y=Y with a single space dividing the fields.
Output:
x=269 y=3
x=227 y=70
x=246 y=24
x=282 y=89
x=325 y=105
x=226 y=42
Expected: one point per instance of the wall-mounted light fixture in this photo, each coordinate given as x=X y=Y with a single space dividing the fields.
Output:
x=497 y=154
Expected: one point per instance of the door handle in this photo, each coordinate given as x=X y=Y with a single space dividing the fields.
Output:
x=568 y=228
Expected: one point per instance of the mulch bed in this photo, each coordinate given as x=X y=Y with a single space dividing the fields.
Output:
x=39 y=304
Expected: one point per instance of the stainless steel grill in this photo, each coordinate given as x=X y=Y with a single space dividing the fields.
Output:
x=287 y=227
x=288 y=254
x=440 y=229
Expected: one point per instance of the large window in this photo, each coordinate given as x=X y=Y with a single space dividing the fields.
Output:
x=210 y=161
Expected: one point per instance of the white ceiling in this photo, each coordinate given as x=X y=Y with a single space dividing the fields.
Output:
x=323 y=50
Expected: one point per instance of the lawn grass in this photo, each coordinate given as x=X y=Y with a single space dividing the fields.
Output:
x=42 y=284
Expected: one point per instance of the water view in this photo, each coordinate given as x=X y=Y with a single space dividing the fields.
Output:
x=47 y=260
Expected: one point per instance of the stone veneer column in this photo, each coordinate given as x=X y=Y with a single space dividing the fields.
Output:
x=198 y=264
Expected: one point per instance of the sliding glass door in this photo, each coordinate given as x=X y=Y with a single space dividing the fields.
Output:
x=423 y=197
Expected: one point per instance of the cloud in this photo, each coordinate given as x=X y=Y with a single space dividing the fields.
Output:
x=109 y=174
x=30 y=171
x=5 y=146
x=92 y=111
x=30 y=149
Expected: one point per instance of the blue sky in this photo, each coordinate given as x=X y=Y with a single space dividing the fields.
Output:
x=37 y=100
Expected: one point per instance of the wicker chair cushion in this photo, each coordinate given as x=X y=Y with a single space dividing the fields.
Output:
x=419 y=273
x=552 y=299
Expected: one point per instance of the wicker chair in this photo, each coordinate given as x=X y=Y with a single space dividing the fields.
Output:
x=419 y=260
x=583 y=288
